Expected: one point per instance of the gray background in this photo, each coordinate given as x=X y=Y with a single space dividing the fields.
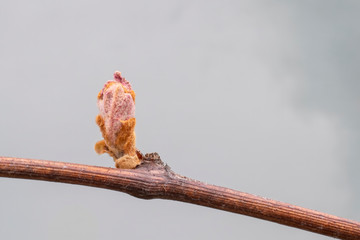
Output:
x=259 y=96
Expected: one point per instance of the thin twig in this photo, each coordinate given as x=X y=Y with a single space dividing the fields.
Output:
x=153 y=179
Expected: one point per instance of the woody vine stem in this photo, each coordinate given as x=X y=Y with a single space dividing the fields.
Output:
x=152 y=179
x=147 y=177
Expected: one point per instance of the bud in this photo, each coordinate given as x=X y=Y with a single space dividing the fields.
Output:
x=116 y=102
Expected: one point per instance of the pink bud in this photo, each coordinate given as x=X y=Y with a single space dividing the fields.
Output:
x=116 y=102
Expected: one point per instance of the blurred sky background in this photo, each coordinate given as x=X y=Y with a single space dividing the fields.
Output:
x=259 y=96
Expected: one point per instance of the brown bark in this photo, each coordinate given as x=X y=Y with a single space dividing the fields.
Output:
x=153 y=179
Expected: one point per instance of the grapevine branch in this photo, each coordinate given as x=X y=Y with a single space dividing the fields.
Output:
x=153 y=179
